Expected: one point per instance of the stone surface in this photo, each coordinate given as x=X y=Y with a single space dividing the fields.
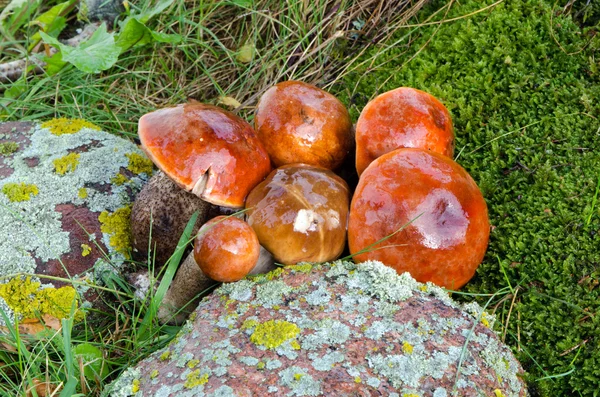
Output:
x=340 y=329
x=65 y=194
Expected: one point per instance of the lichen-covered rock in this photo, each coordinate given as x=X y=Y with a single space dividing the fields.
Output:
x=65 y=197
x=340 y=329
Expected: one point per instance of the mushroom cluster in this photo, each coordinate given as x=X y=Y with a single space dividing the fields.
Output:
x=414 y=208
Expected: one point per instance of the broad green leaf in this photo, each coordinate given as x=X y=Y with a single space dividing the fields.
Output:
x=52 y=21
x=17 y=13
x=135 y=33
x=93 y=361
x=146 y=15
x=54 y=64
x=98 y=53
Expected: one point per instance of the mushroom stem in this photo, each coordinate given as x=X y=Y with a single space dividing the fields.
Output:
x=182 y=296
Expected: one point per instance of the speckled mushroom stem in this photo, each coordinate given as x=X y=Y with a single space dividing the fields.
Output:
x=182 y=297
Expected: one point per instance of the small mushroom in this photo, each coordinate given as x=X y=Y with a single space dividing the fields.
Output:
x=300 y=123
x=438 y=207
x=226 y=249
x=161 y=211
x=404 y=117
x=299 y=214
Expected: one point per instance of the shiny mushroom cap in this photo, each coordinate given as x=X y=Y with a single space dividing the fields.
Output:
x=300 y=123
x=443 y=212
x=205 y=150
x=226 y=249
x=404 y=117
x=300 y=213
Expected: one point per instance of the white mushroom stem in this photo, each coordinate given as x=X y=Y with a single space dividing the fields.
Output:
x=183 y=294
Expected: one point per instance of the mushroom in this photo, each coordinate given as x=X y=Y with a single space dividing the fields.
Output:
x=206 y=150
x=299 y=214
x=404 y=117
x=160 y=212
x=300 y=123
x=432 y=211
x=226 y=249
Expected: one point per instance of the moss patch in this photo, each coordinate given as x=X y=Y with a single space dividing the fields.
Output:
x=139 y=164
x=117 y=225
x=274 y=333
x=26 y=298
x=8 y=148
x=526 y=120
x=66 y=163
x=62 y=126
x=17 y=192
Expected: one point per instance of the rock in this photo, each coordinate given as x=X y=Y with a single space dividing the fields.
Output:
x=65 y=197
x=340 y=329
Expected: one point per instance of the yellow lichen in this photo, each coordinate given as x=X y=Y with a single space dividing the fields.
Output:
x=274 y=274
x=498 y=393
x=357 y=379
x=66 y=163
x=62 y=126
x=135 y=386
x=274 y=333
x=249 y=324
x=298 y=376
x=139 y=164
x=295 y=345
x=407 y=348
x=194 y=379
x=410 y=395
x=165 y=356
x=85 y=250
x=82 y=193
x=192 y=363
x=484 y=320
x=7 y=148
x=26 y=298
x=119 y=179
x=302 y=268
x=260 y=365
x=117 y=226
x=423 y=288
x=154 y=374
x=17 y=192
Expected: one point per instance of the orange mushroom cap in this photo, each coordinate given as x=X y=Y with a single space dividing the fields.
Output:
x=300 y=123
x=404 y=117
x=226 y=249
x=445 y=217
x=300 y=213
x=206 y=150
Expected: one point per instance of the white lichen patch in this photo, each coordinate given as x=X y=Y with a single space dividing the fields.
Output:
x=327 y=361
x=328 y=331
x=32 y=228
x=272 y=293
x=299 y=382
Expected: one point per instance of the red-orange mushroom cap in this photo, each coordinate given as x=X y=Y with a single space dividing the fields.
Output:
x=300 y=123
x=206 y=150
x=300 y=214
x=226 y=249
x=447 y=227
x=404 y=117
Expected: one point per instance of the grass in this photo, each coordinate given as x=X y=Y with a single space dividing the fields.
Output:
x=521 y=81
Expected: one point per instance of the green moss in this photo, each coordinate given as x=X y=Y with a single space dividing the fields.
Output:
x=8 y=148
x=119 y=179
x=66 y=163
x=139 y=164
x=62 y=126
x=526 y=122
x=26 y=298
x=17 y=192
x=117 y=225
x=194 y=379
x=274 y=333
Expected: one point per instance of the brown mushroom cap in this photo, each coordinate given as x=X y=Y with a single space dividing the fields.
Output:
x=448 y=235
x=300 y=123
x=299 y=214
x=206 y=150
x=226 y=249
x=404 y=117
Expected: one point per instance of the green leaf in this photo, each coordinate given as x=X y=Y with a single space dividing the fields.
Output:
x=54 y=64
x=17 y=13
x=92 y=359
x=146 y=15
x=135 y=33
x=98 y=53
x=52 y=21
